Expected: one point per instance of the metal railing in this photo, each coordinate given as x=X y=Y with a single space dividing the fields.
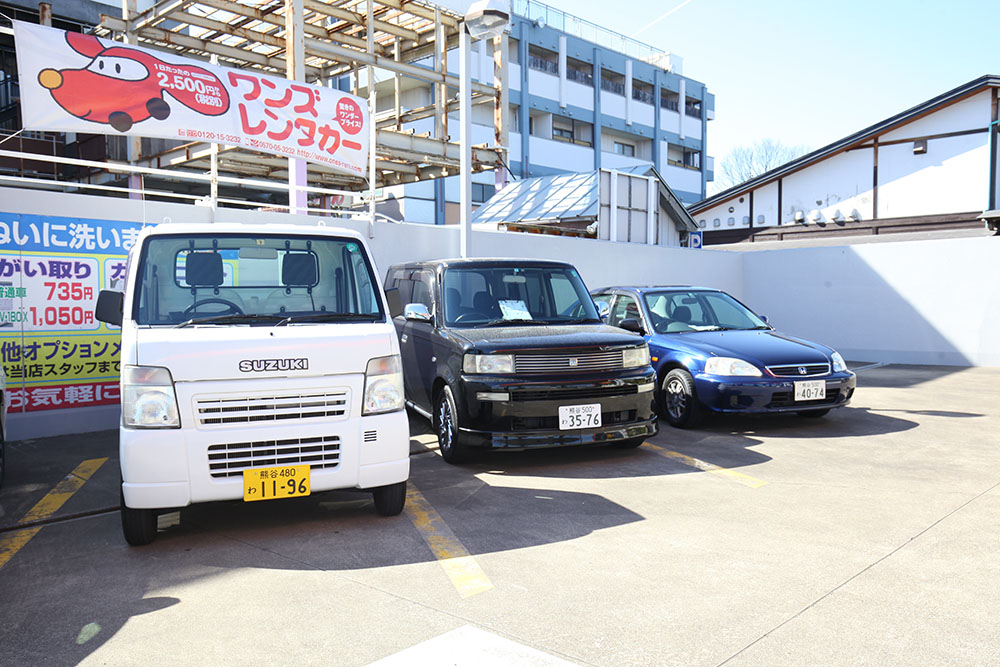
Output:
x=543 y=65
x=573 y=25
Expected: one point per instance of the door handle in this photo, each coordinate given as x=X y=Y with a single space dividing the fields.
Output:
x=403 y=338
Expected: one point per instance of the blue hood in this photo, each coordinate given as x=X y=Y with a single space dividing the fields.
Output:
x=763 y=348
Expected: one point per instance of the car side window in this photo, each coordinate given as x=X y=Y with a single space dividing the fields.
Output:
x=422 y=289
x=625 y=307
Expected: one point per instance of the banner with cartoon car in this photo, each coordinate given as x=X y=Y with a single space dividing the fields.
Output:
x=73 y=82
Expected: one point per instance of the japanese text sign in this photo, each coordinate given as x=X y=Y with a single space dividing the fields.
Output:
x=54 y=352
x=81 y=83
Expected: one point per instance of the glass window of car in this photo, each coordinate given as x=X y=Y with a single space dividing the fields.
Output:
x=422 y=290
x=500 y=295
x=683 y=311
x=187 y=276
x=625 y=307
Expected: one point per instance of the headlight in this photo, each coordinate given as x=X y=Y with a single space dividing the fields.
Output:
x=730 y=366
x=839 y=366
x=148 y=399
x=488 y=364
x=635 y=357
x=383 y=386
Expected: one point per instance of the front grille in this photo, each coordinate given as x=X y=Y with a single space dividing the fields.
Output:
x=786 y=399
x=552 y=422
x=575 y=393
x=224 y=410
x=231 y=459
x=794 y=370
x=568 y=361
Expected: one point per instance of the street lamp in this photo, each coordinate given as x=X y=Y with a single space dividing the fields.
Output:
x=485 y=19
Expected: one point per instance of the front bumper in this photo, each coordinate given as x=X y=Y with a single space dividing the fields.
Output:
x=530 y=417
x=169 y=468
x=767 y=395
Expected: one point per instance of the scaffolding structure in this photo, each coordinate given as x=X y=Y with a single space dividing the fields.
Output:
x=401 y=40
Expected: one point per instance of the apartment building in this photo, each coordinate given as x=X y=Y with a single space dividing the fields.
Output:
x=582 y=98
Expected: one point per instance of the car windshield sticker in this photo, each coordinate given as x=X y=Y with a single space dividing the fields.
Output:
x=514 y=310
x=352 y=247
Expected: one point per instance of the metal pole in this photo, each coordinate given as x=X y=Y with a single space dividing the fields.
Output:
x=295 y=45
x=372 y=134
x=465 y=140
x=214 y=173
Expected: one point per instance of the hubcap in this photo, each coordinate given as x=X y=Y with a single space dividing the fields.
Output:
x=444 y=424
x=676 y=399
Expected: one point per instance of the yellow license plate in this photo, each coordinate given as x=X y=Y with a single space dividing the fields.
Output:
x=271 y=483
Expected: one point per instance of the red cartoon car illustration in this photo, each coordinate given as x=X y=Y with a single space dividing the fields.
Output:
x=122 y=86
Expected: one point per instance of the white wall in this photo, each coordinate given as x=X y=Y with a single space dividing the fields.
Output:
x=842 y=182
x=951 y=177
x=917 y=302
x=578 y=95
x=612 y=104
x=921 y=302
x=679 y=178
x=559 y=154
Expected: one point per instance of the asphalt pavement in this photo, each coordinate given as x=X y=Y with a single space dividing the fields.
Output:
x=865 y=537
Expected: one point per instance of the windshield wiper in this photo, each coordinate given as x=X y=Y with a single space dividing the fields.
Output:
x=579 y=320
x=231 y=318
x=501 y=321
x=330 y=317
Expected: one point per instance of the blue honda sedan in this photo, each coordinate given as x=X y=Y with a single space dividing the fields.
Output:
x=713 y=354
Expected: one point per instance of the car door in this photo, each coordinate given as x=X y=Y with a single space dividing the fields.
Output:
x=416 y=343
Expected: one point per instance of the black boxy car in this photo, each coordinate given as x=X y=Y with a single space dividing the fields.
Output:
x=512 y=354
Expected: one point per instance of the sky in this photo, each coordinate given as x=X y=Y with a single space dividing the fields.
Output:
x=810 y=72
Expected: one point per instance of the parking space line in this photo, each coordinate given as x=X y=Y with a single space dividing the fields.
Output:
x=465 y=574
x=12 y=542
x=62 y=492
x=745 y=480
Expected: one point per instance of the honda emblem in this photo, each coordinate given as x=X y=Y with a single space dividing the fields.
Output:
x=802 y=370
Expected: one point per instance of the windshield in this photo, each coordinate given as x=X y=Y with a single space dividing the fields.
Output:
x=511 y=295
x=232 y=279
x=692 y=310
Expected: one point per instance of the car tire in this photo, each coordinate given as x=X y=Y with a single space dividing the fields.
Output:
x=138 y=525
x=390 y=499
x=679 y=403
x=446 y=427
x=631 y=443
x=813 y=414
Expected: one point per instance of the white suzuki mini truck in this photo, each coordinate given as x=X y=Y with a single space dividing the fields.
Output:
x=258 y=363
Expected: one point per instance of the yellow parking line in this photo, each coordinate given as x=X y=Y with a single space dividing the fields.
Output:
x=11 y=543
x=458 y=564
x=746 y=480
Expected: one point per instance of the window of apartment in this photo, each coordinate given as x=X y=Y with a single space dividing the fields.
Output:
x=580 y=71
x=679 y=156
x=692 y=158
x=481 y=192
x=669 y=100
x=515 y=52
x=572 y=131
x=628 y=150
x=543 y=60
x=693 y=108
x=612 y=82
x=642 y=91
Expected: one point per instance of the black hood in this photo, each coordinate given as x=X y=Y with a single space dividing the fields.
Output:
x=549 y=337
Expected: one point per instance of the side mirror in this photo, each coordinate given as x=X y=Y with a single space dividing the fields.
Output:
x=764 y=317
x=395 y=304
x=631 y=324
x=109 y=307
x=417 y=312
x=603 y=308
